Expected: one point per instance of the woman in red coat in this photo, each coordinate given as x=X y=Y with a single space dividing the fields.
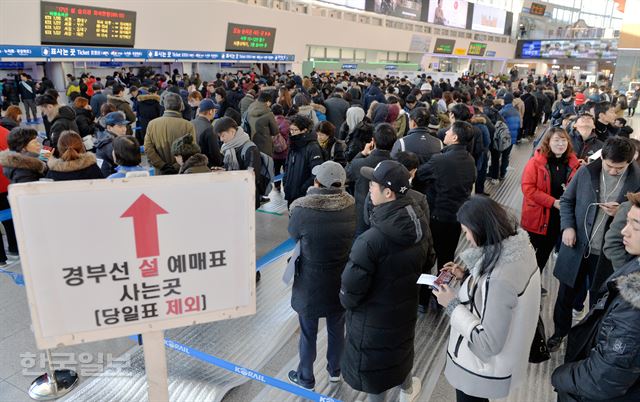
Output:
x=544 y=180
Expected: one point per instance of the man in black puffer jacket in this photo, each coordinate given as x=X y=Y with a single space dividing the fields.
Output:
x=304 y=155
x=324 y=223
x=603 y=353
x=379 y=288
x=62 y=118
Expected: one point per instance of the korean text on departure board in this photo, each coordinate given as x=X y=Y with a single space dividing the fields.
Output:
x=63 y=23
x=250 y=38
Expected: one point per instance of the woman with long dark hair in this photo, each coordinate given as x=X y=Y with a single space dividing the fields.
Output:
x=544 y=180
x=491 y=314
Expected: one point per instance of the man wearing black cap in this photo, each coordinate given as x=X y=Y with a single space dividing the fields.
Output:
x=205 y=137
x=379 y=288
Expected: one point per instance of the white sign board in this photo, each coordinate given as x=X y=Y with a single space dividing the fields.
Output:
x=111 y=258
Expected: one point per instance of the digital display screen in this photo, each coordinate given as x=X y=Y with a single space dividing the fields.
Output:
x=250 y=38
x=488 y=19
x=451 y=13
x=537 y=9
x=566 y=49
x=411 y=9
x=477 y=49
x=444 y=46
x=71 y=24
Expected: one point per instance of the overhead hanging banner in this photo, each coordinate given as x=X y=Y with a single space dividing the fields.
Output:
x=71 y=52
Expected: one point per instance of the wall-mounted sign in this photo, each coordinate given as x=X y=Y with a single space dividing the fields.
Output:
x=444 y=46
x=490 y=53
x=420 y=43
x=459 y=51
x=250 y=38
x=349 y=66
x=568 y=49
x=72 y=24
x=68 y=52
x=537 y=9
x=390 y=67
x=477 y=49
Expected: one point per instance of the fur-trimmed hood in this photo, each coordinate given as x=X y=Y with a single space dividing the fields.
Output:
x=629 y=287
x=58 y=165
x=319 y=108
x=324 y=199
x=146 y=97
x=16 y=160
x=513 y=249
x=116 y=99
x=477 y=119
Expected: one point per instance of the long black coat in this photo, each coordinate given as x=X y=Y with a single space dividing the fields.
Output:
x=85 y=122
x=324 y=222
x=380 y=294
x=65 y=120
x=603 y=351
x=304 y=155
x=148 y=109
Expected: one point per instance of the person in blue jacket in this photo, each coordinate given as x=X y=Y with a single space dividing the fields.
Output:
x=501 y=159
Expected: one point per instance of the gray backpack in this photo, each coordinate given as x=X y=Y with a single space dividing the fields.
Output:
x=501 y=137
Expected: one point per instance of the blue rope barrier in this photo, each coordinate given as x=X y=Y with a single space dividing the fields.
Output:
x=5 y=215
x=273 y=255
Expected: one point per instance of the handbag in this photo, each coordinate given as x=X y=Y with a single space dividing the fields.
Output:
x=539 y=352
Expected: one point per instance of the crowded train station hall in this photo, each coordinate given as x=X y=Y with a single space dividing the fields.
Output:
x=336 y=200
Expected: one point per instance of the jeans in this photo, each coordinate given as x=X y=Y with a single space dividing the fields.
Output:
x=497 y=163
x=406 y=386
x=481 y=167
x=573 y=297
x=462 y=397
x=307 y=347
x=30 y=109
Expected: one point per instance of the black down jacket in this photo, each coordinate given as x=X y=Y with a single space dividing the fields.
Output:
x=304 y=155
x=324 y=222
x=603 y=353
x=380 y=294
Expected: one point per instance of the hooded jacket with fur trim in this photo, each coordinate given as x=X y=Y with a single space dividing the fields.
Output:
x=324 y=222
x=603 y=352
x=22 y=167
x=493 y=325
x=195 y=164
x=83 y=168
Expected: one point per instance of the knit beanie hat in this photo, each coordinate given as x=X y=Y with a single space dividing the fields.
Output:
x=185 y=147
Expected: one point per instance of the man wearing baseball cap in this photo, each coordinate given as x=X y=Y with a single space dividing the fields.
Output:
x=205 y=137
x=116 y=126
x=324 y=224
x=379 y=288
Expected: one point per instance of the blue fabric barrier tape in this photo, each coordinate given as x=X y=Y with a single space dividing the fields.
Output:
x=285 y=247
x=278 y=177
x=5 y=215
x=253 y=375
x=16 y=277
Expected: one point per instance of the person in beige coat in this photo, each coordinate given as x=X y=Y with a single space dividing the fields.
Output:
x=163 y=131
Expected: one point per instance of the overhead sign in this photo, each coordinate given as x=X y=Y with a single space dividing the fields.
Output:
x=250 y=38
x=73 y=24
x=568 y=49
x=537 y=9
x=157 y=263
x=66 y=52
x=459 y=51
x=349 y=66
x=390 y=67
x=477 y=49
x=490 y=53
x=444 y=46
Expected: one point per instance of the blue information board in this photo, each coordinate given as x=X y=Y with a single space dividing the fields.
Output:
x=75 y=52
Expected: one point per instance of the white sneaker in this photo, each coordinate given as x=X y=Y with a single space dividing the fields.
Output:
x=495 y=182
x=416 y=387
x=335 y=379
x=579 y=315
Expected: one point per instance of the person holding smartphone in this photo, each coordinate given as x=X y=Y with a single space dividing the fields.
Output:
x=490 y=314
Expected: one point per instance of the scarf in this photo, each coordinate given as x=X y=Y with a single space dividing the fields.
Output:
x=228 y=149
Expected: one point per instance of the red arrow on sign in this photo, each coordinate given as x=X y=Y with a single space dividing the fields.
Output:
x=144 y=212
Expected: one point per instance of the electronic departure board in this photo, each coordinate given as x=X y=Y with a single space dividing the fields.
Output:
x=72 y=24
x=250 y=38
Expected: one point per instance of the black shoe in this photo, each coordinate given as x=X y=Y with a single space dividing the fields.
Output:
x=553 y=343
x=293 y=379
x=543 y=292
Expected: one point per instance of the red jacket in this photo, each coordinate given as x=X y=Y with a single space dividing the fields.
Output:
x=4 y=182
x=536 y=188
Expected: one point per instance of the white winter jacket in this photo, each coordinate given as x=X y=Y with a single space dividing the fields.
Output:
x=493 y=325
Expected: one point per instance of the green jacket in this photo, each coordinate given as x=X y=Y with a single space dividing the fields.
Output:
x=161 y=133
